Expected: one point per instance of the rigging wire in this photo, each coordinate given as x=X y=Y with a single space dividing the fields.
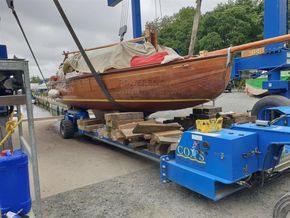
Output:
x=11 y=6
x=127 y=12
x=155 y=1
x=160 y=8
x=124 y=13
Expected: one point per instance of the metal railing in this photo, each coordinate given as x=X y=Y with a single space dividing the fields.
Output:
x=28 y=146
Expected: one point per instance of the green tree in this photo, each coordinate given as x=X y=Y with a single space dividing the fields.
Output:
x=232 y=23
x=35 y=79
x=175 y=31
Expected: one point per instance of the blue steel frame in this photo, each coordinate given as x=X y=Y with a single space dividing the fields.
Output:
x=136 y=15
x=214 y=178
x=75 y=115
x=281 y=116
x=3 y=52
x=276 y=57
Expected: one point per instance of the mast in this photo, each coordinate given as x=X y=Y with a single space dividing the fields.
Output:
x=195 y=27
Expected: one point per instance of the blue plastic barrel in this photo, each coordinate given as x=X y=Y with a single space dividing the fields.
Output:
x=14 y=183
x=3 y=52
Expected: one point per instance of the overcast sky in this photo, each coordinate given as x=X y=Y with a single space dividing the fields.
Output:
x=94 y=22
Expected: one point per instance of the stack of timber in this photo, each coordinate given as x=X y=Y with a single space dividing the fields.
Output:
x=198 y=113
x=130 y=128
x=230 y=118
x=164 y=142
x=120 y=126
x=210 y=112
x=162 y=138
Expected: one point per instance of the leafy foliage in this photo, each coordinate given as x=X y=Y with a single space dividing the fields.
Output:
x=35 y=79
x=175 y=31
x=232 y=23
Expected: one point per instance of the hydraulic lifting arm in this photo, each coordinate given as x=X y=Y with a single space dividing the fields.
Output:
x=275 y=58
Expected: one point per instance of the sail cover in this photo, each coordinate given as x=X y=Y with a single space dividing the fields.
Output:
x=115 y=57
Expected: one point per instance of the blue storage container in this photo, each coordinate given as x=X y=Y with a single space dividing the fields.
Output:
x=3 y=52
x=14 y=183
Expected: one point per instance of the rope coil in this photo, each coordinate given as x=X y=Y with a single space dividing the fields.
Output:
x=11 y=126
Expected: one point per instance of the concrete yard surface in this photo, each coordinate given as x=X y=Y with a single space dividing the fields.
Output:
x=140 y=194
x=83 y=178
x=86 y=179
x=69 y=164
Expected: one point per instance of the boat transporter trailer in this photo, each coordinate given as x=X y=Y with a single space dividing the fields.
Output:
x=220 y=163
x=215 y=164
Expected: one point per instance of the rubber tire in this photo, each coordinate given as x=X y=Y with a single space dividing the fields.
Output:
x=270 y=101
x=67 y=129
x=282 y=208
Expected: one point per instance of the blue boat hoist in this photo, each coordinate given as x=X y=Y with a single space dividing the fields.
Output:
x=220 y=163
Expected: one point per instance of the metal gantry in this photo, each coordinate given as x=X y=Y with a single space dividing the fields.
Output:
x=20 y=67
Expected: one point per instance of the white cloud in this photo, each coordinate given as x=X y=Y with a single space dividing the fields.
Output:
x=95 y=23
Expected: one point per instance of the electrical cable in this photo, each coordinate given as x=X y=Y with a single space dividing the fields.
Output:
x=11 y=6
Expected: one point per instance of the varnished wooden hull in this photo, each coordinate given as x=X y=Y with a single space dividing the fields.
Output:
x=177 y=85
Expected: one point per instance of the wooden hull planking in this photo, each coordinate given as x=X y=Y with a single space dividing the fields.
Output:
x=177 y=85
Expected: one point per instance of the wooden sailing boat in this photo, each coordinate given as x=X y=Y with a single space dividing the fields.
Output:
x=175 y=85
x=179 y=84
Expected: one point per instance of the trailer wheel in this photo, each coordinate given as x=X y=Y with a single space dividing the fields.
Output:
x=282 y=208
x=66 y=129
x=260 y=107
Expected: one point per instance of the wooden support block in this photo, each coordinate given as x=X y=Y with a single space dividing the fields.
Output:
x=172 y=147
x=115 y=120
x=147 y=136
x=167 y=140
x=124 y=116
x=100 y=115
x=103 y=132
x=206 y=109
x=172 y=133
x=148 y=128
x=243 y=118
x=138 y=145
x=203 y=116
x=156 y=138
x=117 y=135
x=185 y=122
x=90 y=128
x=162 y=149
x=116 y=123
x=134 y=124
x=130 y=136
x=151 y=147
x=86 y=122
x=239 y=118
